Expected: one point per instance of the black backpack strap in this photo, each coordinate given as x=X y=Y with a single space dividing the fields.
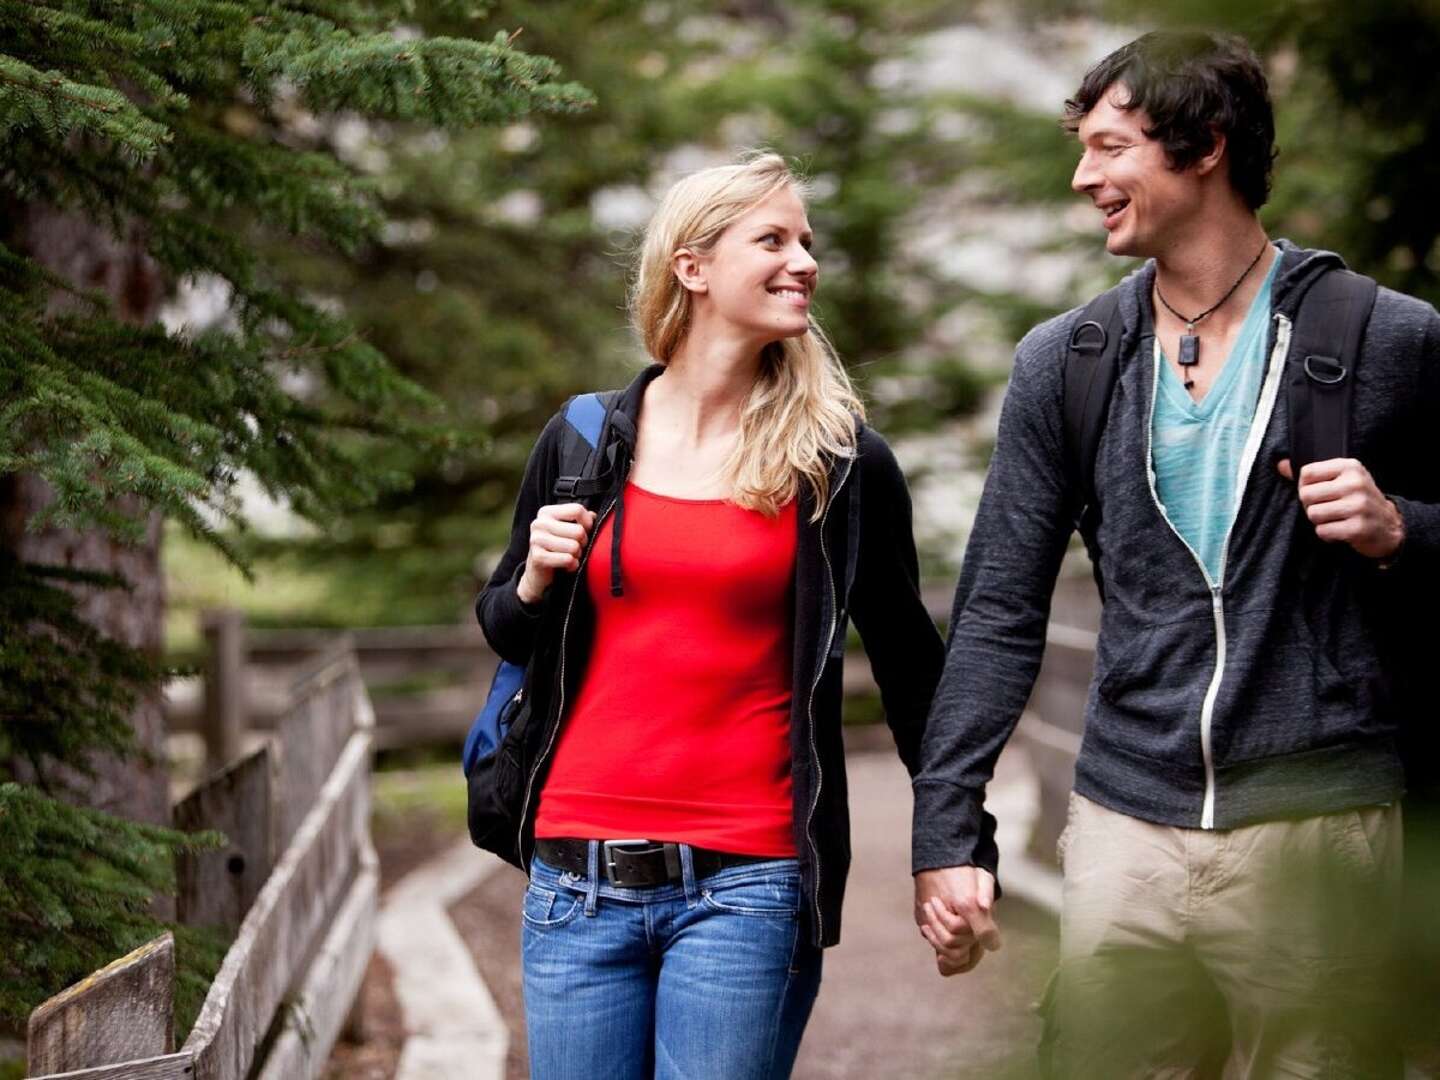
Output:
x=583 y=451
x=1320 y=371
x=1092 y=364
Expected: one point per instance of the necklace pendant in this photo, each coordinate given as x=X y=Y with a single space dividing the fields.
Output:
x=1189 y=350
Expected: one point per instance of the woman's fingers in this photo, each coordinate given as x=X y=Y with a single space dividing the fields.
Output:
x=557 y=539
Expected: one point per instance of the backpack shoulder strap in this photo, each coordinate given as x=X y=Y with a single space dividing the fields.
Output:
x=581 y=443
x=1091 y=364
x=1320 y=371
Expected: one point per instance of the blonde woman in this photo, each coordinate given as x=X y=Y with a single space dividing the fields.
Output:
x=684 y=818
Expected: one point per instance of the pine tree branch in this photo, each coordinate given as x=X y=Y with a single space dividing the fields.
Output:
x=58 y=107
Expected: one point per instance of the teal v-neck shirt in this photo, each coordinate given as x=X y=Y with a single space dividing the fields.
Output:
x=1197 y=447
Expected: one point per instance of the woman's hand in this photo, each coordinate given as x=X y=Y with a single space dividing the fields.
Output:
x=557 y=537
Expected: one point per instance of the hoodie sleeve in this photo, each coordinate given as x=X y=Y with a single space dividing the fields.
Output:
x=904 y=648
x=1422 y=518
x=1001 y=608
x=510 y=624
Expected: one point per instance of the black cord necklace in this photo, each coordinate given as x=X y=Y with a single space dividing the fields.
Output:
x=1189 y=342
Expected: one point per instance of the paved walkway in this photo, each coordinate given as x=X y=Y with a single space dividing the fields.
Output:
x=883 y=1011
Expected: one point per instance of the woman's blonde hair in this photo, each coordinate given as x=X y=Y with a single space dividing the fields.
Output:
x=801 y=411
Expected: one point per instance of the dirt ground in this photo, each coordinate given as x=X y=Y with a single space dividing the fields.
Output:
x=882 y=1011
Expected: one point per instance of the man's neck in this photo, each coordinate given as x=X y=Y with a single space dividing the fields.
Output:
x=1195 y=272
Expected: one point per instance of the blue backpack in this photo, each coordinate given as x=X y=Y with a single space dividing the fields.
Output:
x=585 y=418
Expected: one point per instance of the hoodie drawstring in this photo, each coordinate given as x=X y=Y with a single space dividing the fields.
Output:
x=622 y=426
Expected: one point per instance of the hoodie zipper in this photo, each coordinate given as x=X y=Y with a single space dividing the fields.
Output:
x=1258 y=426
x=560 y=707
x=810 y=701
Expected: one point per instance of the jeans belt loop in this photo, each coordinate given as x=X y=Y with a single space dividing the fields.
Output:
x=687 y=875
x=592 y=880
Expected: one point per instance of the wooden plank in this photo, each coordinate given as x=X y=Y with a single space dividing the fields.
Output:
x=309 y=737
x=216 y=888
x=311 y=1019
x=1064 y=682
x=285 y=921
x=122 y=1012
x=1052 y=751
x=224 y=711
x=166 y=1067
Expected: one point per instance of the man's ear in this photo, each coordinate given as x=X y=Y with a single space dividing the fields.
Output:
x=1207 y=164
x=689 y=271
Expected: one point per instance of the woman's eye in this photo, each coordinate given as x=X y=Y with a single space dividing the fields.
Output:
x=770 y=239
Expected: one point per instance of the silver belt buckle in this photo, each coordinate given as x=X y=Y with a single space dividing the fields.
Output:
x=607 y=851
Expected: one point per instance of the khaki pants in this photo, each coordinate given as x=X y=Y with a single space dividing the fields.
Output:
x=1253 y=952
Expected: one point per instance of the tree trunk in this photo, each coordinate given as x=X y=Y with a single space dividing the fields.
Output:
x=87 y=254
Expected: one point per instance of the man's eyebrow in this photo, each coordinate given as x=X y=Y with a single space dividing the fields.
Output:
x=1103 y=133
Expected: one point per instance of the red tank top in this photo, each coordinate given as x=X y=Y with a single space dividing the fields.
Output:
x=681 y=728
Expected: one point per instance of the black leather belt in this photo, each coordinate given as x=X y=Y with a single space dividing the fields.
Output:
x=636 y=863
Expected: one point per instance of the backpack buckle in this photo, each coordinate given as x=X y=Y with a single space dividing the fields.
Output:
x=567 y=486
x=1325 y=370
x=1089 y=336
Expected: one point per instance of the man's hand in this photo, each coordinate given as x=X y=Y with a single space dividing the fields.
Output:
x=1343 y=503
x=953 y=908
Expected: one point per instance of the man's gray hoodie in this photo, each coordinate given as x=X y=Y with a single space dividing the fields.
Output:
x=1266 y=694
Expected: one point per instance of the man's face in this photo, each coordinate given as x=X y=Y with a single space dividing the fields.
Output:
x=1144 y=203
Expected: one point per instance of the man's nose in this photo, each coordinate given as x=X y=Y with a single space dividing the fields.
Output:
x=1087 y=176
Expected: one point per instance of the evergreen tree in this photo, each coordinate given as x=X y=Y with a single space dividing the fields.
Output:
x=143 y=144
x=501 y=286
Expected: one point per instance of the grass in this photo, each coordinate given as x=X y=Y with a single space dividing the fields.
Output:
x=198 y=577
x=433 y=792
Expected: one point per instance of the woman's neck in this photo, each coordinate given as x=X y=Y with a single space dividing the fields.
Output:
x=703 y=389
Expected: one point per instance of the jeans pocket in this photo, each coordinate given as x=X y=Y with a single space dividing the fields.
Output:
x=776 y=897
x=546 y=909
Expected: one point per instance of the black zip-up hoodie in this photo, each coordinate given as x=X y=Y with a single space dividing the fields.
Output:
x=857 y=561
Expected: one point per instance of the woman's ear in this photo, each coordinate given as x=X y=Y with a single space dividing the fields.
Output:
x=689 y=270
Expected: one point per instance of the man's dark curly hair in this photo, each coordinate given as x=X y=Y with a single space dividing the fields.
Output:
x=1192 y=84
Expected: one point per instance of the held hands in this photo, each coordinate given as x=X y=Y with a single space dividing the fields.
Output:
x=953 y=909
x=557 y=537
x=1343 y=503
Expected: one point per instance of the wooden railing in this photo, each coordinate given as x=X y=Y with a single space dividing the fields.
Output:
x=297 y=882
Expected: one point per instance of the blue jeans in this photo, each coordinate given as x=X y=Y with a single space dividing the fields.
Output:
x=702 y=979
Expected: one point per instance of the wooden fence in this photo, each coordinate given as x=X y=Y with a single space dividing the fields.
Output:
x=445 y=671
x=297 y=882
x=427 y=682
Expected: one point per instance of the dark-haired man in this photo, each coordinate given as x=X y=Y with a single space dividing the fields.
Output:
x=1232 y=853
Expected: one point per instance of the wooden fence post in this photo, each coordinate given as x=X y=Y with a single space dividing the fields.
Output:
x=123 y=1012
x=216 y=888
x=224 y=723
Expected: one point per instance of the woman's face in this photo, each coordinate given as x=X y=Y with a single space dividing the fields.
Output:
x=760 y=276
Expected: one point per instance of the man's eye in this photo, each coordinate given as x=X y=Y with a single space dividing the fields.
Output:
x=1115 y=148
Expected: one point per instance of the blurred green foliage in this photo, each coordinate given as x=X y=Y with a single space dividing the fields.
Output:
x=1357 y=117
x=500 y=281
